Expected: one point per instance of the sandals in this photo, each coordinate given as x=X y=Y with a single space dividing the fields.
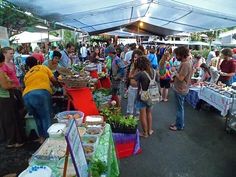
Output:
x=144 y=135
x=174 y=128
x=151 y=132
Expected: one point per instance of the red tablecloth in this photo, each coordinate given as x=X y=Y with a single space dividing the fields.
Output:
x=82 y=99
x=102 y=83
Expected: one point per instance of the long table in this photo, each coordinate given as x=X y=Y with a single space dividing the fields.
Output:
x=221 y=102
x=192 y=97
x=105 y=151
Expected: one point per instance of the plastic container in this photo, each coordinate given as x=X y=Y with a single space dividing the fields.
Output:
x=99 y=68
x=64 y=117
x=94 y=131
x=56 y=130
x=88 y=150
x=90 y=140
x=37 y=171
x=82 y=130
x=94 y=119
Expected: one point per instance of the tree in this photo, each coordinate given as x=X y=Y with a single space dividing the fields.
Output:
x=195 y=37
x=69 y=36
x=14 y=19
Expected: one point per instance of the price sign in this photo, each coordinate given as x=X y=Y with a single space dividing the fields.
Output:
x=76 y=150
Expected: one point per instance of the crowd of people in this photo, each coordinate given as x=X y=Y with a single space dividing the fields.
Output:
x=26 y=86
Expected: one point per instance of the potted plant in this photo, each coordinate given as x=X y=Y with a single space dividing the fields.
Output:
x=123 y=124
x=118 y=122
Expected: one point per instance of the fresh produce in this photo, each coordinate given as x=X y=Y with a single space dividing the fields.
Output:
x=82 y=130
x=102 y=74
x=97 y=168
x=72 y=116
x=93 y=131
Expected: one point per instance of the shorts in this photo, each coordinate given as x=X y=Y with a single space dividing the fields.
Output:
x=165 y=83
x=141 y=104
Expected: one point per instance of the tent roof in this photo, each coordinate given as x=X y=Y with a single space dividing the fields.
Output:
x=97 y=16
x=27 y=37
x=135 y=27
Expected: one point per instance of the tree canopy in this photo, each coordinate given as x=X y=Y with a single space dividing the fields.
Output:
x=14 y=19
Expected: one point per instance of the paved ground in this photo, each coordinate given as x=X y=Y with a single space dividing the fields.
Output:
x=203 y=149
x=16 y=160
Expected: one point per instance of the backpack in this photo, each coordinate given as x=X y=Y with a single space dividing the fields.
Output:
x=152 y=95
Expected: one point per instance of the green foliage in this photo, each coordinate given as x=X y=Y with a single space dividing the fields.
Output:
x=116 y=119
x=204 y=53
x=106 y=112
x=68 y=36
x=195 y=37
x=97 y=168
x=54 y=33
x=100 y=38
x=13 y=19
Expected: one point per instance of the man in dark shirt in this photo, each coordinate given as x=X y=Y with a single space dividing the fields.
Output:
x=227 y=67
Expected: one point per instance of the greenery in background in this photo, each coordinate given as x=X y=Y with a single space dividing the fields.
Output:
x=14 y=20
x=97 y=168
x=204 y=53
x=211 y=36
x=69 y=36
x=100 y=38
x=54 y=33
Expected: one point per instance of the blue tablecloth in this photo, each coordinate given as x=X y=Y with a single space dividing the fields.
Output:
x=192 y=97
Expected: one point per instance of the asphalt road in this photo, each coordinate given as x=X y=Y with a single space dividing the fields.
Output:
x=203 y=149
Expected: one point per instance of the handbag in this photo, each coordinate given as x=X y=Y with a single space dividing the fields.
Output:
x=151 y=95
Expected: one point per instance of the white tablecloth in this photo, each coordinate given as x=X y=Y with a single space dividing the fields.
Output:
x=222 y=103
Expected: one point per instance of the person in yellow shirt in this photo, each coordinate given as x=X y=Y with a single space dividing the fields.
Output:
x=37 y=95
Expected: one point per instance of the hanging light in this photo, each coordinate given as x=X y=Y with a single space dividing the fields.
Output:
x=141 y=24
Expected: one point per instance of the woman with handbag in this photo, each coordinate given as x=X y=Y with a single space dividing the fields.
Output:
x=144 y=65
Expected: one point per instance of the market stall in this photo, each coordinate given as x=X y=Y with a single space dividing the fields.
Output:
x=221 y=100
x=99 y=72
x=97 y=145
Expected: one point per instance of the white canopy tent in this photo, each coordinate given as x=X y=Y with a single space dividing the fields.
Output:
x=94 y=15
x=27 y=37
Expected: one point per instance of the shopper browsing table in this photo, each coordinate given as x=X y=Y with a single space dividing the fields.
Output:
x=181 y=85
x=227 y=67
x=37 y=95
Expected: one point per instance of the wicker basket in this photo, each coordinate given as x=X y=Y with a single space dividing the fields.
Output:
x=76 y=83
x=64 y=71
